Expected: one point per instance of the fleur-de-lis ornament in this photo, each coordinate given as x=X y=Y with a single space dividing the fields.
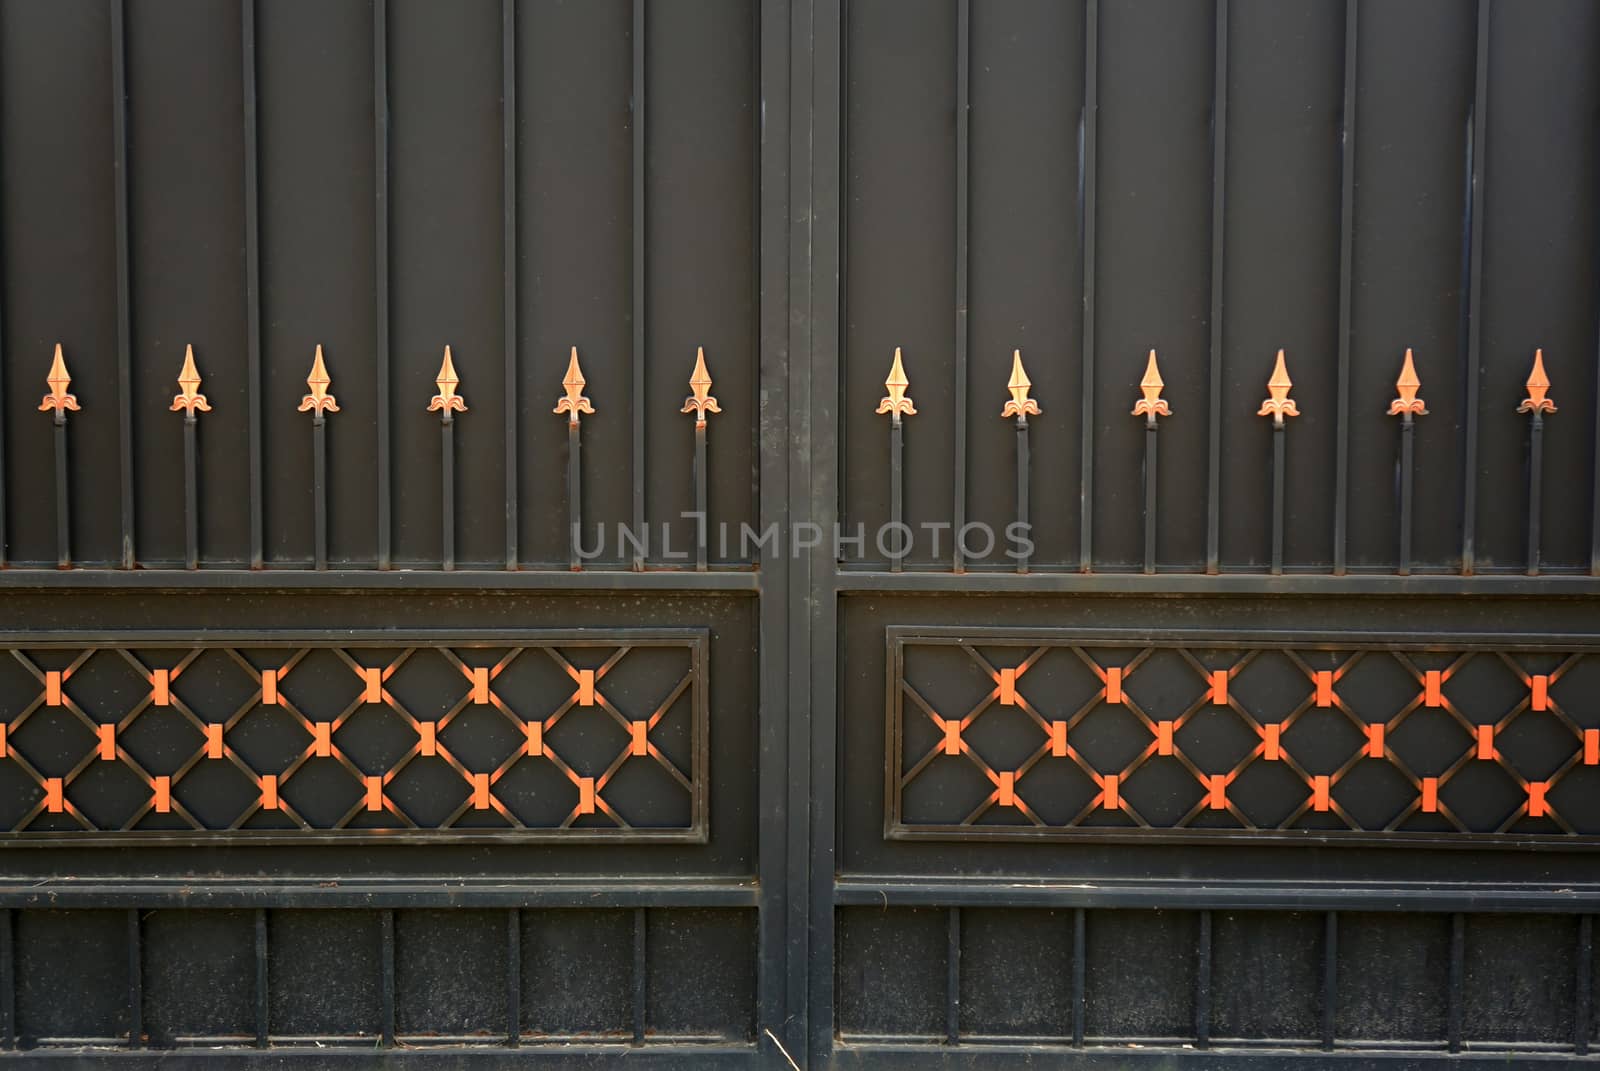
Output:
x=574 y=402
x=447 y=400
x=58 y=399
x=1152 y=404
x=1020 y=406
x=189 y=399
x=700 y=402
x=1407 y=386
x=1278 y=403
x=319 y=401
x=897 y=403
x=1538 y=386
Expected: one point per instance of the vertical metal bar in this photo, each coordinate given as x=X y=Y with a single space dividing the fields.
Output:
x=119 y=167
x=380 y=227
x=386 y=978
x=1202 y=985
x=1278 y=432
x=252 y=280
x=1474 y=304
x=1458 y=958
x=319 y=489
x=1330 y=976
x=1080 y=972
x=447 y=492
x=700 y=524
x=897 y=491
x=63 y=497
x=574 y=493
x=8 y=981
x=263 y=1012
x=513 y=969
x=952 y=982
x=1024 y=473
x=1219 y=201
x=639 y=302
x=1408 y=437
x=639 y=967
x=963 y=265
x=1151 y=470
x=135 y=981
x=1583 y=1001
x=191 y=494
x=508 y=262
x=1347 y=205
x=1535 y=489
x=1086 y=185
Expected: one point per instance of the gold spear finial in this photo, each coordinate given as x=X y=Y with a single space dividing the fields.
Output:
x=1407 y=386
x=1279 y=404
x=1152 y=404
x=189 y=399
x=319 y=401
x=58 y=398
x=897 y=403
x=574 y=402
x=447 y=400
x=1538 y=385
x=1020 y=406
x=700 y=402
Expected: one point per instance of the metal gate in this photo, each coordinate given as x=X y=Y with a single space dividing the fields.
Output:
x=822 y=534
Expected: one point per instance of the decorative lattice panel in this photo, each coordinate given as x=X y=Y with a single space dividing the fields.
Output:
x=492 y=735
x=1061 y=733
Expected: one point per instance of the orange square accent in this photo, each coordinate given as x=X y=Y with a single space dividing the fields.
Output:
x=3 y=739
x=108 y=742
x=1591 y=745
x=1113 y=800
x=429 y=742
x=1540 y=685
x=1271 y=749
x=373 y=676
x=1008 y=687
x=1433 y=688
x=1486 y=742
x=54 y=797
x=1375 y=741
x=585 y=795
x=1008 y=788
x=269 y=687
x=322 y=738
x=1430 y=795
x=269 y=792
x=1114 y=684
x=535 y=731
x=161 y=687
x=952 y=737
x=586 y=693
x=1163 y=738
x=640 y=745
x=1219 y=687
x=1537 y=807
x=162 y=786
x=1217 y=792
x=1325 y=696
x=214 y=740
x=480 y=792
x=52 y=687
x=1058 y=739
x=1319 y=792
x=480 y=685
x=374 y=793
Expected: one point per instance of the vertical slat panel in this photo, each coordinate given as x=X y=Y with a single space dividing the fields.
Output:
x=446 y=224
x=640 y=293
x=1472 y=309
x=1219 y=247
x=317 y=274
x=383 y=266
x=508 y=263
x=1540 y=273
x=252 y=280
x=1088 y=208
x=963 y=264
x=188 y=287
x=1347 y=224
x=124 y=296
x=1027 y=89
